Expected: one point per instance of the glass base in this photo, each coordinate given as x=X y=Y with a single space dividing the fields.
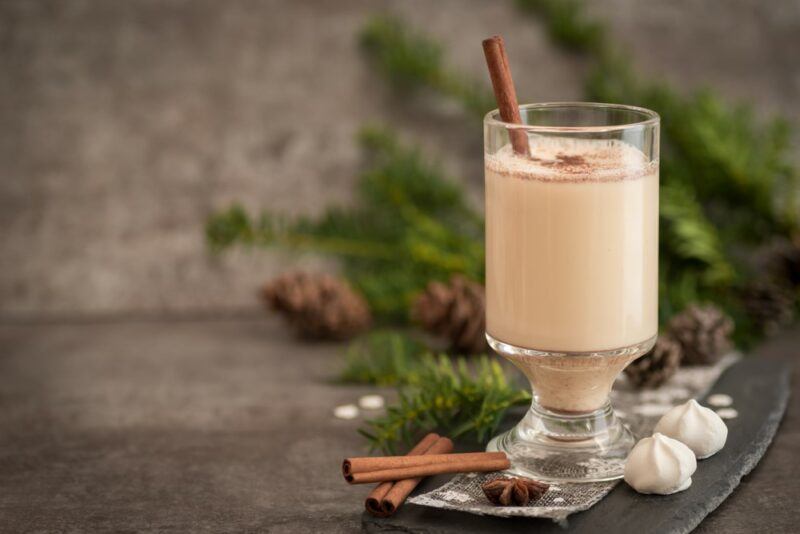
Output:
x=568 y=446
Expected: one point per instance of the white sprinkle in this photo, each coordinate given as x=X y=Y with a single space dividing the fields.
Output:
x=558 y=500
x=371 y=402
x=720 y=400
x=727 y=413
x=346 y=411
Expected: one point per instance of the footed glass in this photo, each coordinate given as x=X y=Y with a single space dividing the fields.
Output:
x=571 y=276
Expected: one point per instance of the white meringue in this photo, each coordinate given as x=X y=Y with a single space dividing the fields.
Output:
x=698 y=427
x=659 y=464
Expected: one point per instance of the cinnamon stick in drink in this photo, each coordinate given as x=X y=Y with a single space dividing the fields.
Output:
x=365 y=470
x=376 y=496
x=403 y=488
x=503 y=85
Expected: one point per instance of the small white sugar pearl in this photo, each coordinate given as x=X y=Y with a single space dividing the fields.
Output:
x=371 y=402
x=346 y=411
x=727 y=413
x=720 y=400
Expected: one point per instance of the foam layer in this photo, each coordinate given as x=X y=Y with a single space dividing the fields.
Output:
x=573 y=160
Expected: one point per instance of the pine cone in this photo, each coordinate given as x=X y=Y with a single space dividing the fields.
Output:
x=703 y=332
x=781 y=261
x=657 y=366
x=318 y=306
x=455 y=311
x=769 y=305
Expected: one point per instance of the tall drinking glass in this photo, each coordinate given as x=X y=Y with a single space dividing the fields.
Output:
x=571 y=275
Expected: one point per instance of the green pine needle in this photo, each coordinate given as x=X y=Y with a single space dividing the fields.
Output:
x=567 y=25
x=690 y=236
x=409 y=225
x=412 y=61
x=454 y=398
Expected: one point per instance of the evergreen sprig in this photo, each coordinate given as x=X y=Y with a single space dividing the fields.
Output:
x=412 y=61
x=567 y=24
x=409 y=225
x=454 y=398
x=690 y=237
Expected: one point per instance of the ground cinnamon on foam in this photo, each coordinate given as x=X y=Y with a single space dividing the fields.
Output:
x=560 y=159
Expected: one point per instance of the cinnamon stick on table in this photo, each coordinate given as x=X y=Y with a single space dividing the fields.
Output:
x=365 y=470
x=403 y=488
x=499 y=71
x=376 y=496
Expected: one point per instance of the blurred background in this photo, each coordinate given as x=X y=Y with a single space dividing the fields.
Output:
x=142 y=385
x=126 y=124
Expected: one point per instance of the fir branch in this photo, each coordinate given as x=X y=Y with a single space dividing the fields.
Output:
x=235 y=226
x=567 y=24
x=690 y=236
x=409 y=225
x=411 y=60
x=450 y=398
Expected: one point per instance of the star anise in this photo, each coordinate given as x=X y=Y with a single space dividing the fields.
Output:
x=508 y=491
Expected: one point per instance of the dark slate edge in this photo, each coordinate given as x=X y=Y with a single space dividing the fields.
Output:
x=762 y=441
x=760 y=389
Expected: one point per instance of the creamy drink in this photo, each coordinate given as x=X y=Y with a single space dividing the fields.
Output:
x=572 y=262
x=571 y=272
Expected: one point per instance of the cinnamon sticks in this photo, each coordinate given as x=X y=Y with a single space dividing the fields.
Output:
x=402 y=488
x=399 y=475
x=374 y=502
x=365 y=470
x=504 y=92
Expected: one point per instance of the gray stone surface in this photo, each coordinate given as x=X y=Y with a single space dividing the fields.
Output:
x=176 y=427
x=126 y=123
x=226 y=426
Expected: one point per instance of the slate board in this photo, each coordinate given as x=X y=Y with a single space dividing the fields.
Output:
x=760 y=389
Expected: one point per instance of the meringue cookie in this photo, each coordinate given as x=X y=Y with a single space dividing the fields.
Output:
x=660 y=465
x=700 y=428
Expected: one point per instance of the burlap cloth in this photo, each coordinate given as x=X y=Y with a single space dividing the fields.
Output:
x=640 y=410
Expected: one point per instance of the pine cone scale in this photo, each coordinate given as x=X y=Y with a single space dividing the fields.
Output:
x=769 y=305
x=317 y=306
x=703 y=332
x=455 y=311
x=657 y=366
